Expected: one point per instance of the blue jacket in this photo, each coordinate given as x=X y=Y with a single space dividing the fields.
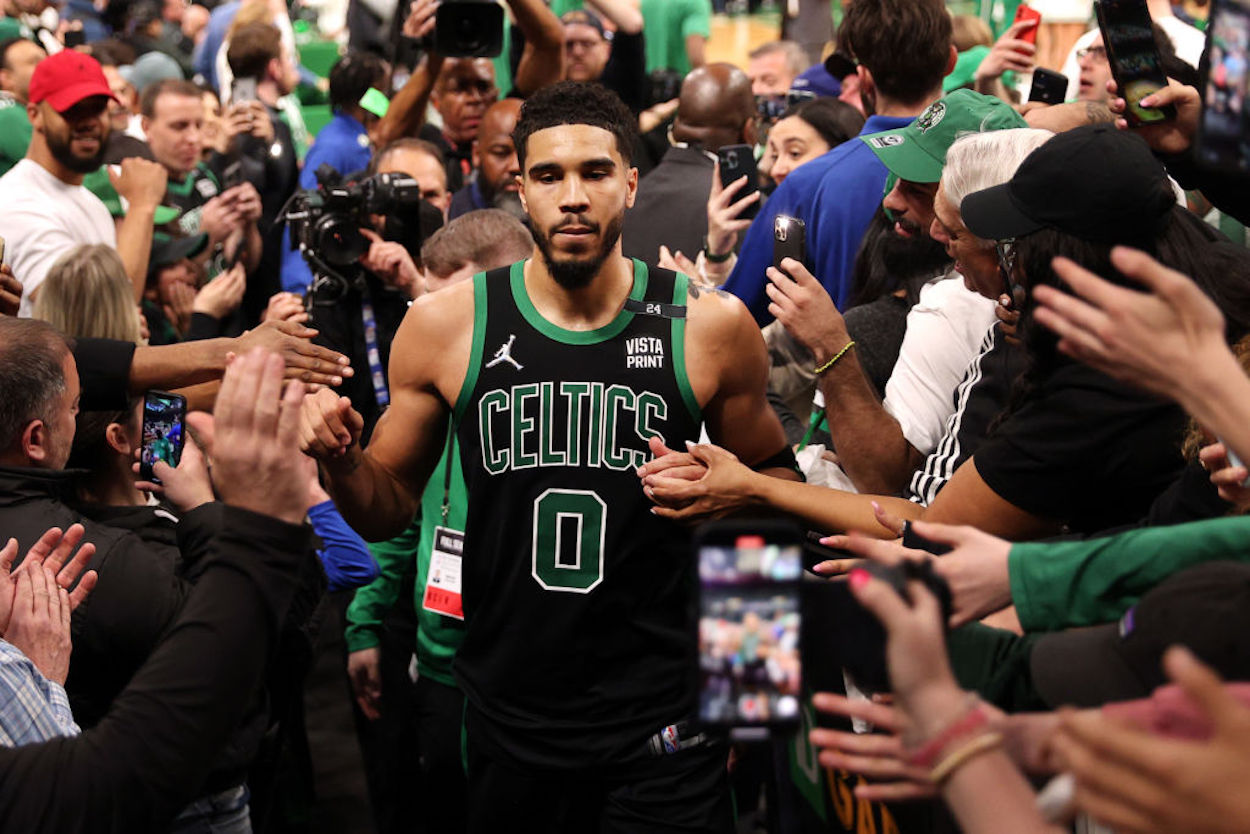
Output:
x=835 y=195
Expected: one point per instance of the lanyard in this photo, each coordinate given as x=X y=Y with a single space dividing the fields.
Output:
x=371 y=351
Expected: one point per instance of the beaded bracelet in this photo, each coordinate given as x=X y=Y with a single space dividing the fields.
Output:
x=973 y=718
x=983 y=743
x=836 y=357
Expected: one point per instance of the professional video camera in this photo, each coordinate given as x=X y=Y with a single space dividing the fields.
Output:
x=325 y=222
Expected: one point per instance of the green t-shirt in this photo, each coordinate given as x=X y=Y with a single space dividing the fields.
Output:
x=11 y=27
x=667 y=24
x=14 y=131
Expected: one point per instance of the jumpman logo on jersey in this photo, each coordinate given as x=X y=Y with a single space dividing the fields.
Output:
x=504 y=354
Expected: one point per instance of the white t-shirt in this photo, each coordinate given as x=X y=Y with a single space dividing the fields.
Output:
x=944 y=334
x=42 y=218
x=1186 y=40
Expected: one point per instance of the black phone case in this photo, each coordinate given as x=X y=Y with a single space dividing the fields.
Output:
x=1049 y=87
x=736 y=161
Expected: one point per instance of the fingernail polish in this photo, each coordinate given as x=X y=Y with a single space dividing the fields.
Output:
x=858 y=579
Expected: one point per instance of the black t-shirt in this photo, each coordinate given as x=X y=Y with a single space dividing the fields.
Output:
x=1085 y=450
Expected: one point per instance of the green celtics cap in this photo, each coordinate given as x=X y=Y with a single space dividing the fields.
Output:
x=917 y=152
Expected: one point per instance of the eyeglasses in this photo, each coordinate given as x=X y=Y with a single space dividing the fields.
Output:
x=1098 y=53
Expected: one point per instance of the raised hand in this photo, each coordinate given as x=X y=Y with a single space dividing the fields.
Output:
x=187 y=485
x=723 y=213
x=255 y=460
x=804 y=308
x=222 y=296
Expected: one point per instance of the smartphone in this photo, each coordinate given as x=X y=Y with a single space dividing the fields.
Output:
x=232 y=176
x=1026 y=12
x=1135 y=65
x=749 y=669
x=736 y=161
x=789 y=241
x=1223 y=131
x=1 y=250
x=244 y=90
x=1049 y=87
x=164 y=430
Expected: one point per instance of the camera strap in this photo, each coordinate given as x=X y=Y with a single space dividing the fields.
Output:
x=372 y=353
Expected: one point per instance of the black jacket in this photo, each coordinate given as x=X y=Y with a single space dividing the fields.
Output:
x=148 y=756
x=138 y=596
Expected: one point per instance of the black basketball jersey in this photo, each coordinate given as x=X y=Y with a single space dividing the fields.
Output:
x=579 y=602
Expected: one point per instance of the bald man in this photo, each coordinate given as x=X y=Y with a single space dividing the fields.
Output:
x=716 y=108
x=494 y=183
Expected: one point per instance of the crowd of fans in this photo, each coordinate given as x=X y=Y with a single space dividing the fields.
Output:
x=1015 y=348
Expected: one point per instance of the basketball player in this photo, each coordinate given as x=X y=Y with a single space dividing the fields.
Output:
x=578 y=662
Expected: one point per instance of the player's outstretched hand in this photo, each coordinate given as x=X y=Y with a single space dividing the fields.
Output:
x=255 y=459
x=329 y=427
x=724 y=486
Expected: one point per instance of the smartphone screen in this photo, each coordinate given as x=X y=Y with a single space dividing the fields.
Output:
x=164 y=416
x=1130 y=44
x=735 y=162
x=1224 y=132
x=750 y=672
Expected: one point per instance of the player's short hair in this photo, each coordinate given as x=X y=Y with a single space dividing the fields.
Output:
x=576 y=103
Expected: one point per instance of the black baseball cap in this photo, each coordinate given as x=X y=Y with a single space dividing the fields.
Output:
x=1095 y=182
x=1205 y=608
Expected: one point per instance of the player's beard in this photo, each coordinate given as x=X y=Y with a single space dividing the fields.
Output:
x=573 y=274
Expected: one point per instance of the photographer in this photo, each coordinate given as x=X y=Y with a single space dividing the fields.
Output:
x=364 y=278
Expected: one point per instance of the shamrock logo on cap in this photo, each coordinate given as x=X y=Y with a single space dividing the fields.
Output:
x=931 y=117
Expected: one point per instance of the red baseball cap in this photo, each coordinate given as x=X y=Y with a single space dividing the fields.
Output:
x=66 y=78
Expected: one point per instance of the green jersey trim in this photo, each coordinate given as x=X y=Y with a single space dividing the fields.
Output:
x=680 y=288
x=575 y=337
x=475 y=355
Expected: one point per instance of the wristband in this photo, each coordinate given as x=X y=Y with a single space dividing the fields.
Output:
x=983 y=743
x=969 y=723
x=715 y=259
x=836 y=357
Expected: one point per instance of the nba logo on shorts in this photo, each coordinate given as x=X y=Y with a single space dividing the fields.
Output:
x=668 y=735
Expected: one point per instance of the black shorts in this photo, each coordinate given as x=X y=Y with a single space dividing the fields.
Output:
x=683 y=792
